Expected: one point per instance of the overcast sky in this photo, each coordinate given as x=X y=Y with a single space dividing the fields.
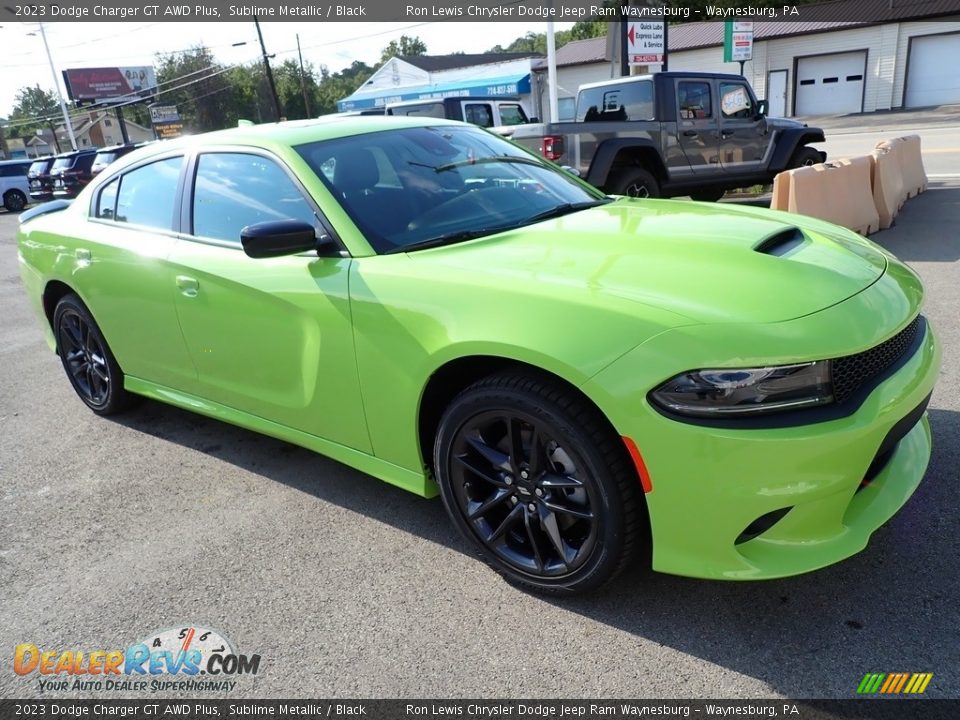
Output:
x=336 y=45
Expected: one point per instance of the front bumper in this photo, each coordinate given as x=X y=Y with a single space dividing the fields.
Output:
x=711 y=484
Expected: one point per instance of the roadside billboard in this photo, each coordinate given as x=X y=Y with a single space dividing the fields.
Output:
x=97 y=85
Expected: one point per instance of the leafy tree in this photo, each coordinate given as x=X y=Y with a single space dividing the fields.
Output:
x=33 y=103
x=405 y=47
x=200 y=88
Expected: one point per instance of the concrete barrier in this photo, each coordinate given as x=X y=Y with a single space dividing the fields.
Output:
x=914 y=176
x=781 y=191
x=839 y=192
x=887 y=184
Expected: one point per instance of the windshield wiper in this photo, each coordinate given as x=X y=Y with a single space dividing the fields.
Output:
x=447 y=239
x=566 y=209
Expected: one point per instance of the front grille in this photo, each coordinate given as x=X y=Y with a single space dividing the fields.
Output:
x=852 y=372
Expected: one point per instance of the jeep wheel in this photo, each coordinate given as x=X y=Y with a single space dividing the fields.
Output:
x=707 y=195
x=636 y=182
x=804 y=157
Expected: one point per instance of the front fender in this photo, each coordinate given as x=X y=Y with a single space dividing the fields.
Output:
x=787 y=143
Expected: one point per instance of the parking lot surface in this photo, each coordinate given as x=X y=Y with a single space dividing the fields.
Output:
x=113 y=529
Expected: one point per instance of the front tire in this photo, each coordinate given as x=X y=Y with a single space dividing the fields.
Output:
x=536 y=479
x=707 y=195
x=636 y=182
x=14 y=201
x=804 y=157
x=86 y=358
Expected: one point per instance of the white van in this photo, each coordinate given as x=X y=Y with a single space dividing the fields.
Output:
x=14 y=186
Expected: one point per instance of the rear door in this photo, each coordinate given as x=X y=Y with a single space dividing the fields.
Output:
x=697 y=127
x=270 y=337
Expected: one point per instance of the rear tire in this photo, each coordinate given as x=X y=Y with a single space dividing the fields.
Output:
x=87 y=360
x=14 y=201
x=636 y=182
x=536 y=479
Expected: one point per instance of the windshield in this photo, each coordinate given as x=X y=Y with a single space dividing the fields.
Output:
x=104 y=158
x=38 y=167
x=432 y=185
x=63 y=163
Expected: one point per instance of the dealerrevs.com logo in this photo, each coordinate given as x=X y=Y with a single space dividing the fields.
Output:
x=190 y=658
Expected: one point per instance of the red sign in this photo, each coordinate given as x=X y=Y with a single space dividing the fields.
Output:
x=112 y=83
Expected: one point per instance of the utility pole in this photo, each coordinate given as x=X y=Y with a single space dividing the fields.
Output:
x=303 y=79
x=56 y=84
x=266 y=64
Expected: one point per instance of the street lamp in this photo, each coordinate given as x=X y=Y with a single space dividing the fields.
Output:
x=56 y=84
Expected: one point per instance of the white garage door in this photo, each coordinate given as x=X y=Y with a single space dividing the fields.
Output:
x=932 y=78
x=830 y=84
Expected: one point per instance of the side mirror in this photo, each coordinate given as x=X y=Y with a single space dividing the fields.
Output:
x=277 y=238
x=571 y=170
x=533 y=120
x=762 y=107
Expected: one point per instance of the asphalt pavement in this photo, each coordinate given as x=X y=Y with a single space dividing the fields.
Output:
x=112 y=529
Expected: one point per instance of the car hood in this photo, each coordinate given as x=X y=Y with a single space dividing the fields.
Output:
x=706 y=262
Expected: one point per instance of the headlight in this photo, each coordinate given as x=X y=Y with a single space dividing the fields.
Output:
x=728 y=392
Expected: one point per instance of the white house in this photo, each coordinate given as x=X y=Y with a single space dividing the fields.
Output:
x=436 y=76
x=904 y=55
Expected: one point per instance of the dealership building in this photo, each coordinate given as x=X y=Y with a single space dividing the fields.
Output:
x=901 y=54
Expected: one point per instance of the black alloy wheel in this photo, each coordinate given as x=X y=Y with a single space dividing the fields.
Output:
x=531 y=475
x=14 y=201
x=87 y=360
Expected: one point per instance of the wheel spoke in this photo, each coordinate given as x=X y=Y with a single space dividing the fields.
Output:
x=515 y=443
x=548 y=520
x=538 y=453
x=482 y=474
x=79 y=370
x=556 y=482
x=508 y=522
x=583 y=514
x=531 y=536
x=482 y=508
x=72 y=331
x=491 y=455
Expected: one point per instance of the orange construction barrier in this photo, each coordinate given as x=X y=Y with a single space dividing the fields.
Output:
x=887 y=182
x=839 y=192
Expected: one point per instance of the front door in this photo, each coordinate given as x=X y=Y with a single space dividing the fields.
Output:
x=744 y=140
x=270 y=337
x=697 y=126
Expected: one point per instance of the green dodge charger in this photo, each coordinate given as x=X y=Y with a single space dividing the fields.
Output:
x=726 y=392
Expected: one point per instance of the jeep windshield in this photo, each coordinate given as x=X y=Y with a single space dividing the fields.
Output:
x=413 y=188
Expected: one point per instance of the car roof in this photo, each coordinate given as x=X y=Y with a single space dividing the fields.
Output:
x=293 y=133
x=683 y=74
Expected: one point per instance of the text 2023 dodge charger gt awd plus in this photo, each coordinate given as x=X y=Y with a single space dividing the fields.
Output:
x=732 y=392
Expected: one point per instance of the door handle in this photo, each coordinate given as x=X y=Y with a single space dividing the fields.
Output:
x=188 y=285
x=83 y=255
x=726 y=133
x=689 y=133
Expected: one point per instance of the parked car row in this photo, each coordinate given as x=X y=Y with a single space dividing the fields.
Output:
x=55 y=176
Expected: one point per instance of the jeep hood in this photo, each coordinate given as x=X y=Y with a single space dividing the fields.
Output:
x=706 y=262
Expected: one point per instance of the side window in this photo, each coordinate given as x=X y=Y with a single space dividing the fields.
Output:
x=478 y=114
x=512 y=115
x=567 y=108
x=233 y=190
x=147 y=194
x=693 y=99
x=735 y=102
x=107 y=200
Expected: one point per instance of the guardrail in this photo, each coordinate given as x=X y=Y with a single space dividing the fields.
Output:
x=863 y=193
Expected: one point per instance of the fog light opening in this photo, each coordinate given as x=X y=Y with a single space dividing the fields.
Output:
x=762 y=524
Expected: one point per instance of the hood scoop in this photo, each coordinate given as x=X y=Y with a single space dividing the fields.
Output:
x=781 y=243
